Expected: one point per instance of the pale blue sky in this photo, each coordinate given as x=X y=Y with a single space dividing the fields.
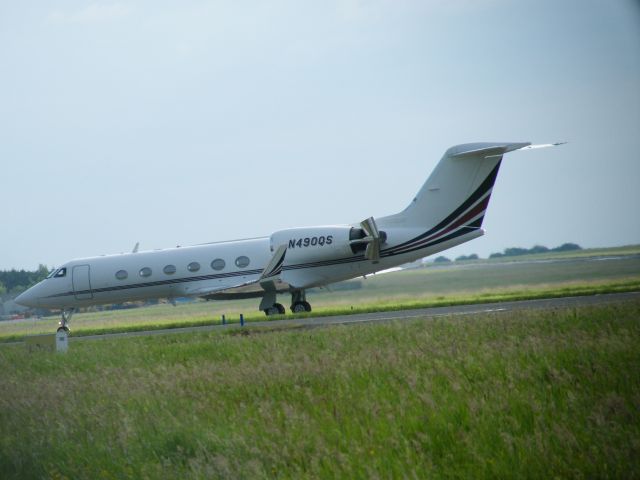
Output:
x=187 y=122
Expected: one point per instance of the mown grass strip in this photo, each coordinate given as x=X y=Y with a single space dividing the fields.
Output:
x=444 y=301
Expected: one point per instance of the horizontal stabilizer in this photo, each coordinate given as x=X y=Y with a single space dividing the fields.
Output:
x=487 y=150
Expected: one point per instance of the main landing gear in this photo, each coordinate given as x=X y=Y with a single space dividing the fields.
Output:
x=268 y=304
x=299 y=303
x=67 y=313
x=275 y=309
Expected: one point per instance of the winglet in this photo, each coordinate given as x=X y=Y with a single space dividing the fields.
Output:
x=542 y=145
x=274 y=267
x=135 y=249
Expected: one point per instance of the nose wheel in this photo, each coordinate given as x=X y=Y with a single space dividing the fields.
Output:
x=64 y=322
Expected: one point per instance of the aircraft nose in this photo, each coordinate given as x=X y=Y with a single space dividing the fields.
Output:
x=26 y=298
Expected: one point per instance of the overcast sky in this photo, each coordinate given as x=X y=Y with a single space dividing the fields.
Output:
x=187 y=122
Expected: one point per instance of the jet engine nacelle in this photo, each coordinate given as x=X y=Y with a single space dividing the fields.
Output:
x=313 y=244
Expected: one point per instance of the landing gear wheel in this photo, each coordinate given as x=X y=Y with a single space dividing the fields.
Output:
x=67 y=313
x=275 y=309
x=301 y=307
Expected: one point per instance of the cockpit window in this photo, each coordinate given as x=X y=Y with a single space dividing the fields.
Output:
x=52 y=273
x=61 y=272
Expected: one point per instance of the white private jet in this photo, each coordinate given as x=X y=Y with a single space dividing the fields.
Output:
x=447 y=211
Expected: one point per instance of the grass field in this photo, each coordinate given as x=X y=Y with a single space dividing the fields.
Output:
x=534 y=394
x=603 y=271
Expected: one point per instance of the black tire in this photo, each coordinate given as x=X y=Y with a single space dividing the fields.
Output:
x=63 y=329
x=281 y=309
x=307 y=306
x=298 y=307
x=276 y=309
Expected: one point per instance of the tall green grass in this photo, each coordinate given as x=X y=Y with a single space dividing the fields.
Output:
x=522 y=394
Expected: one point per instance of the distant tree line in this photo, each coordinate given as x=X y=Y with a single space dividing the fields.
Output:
x=442 y=259
x=461 y=258
x=14 y=281
x=514 y=251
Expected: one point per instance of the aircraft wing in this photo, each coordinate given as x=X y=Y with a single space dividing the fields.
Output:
x=268 y=279
x=252 y=290
x=274 y=267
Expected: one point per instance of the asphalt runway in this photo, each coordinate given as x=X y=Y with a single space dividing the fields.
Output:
x=313 y=322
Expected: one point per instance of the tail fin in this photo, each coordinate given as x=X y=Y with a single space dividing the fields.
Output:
x=457 y=192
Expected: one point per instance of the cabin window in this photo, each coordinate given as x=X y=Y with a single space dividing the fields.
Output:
x=60 y=273
x=169 y=269
x=145 y=272
x=193 y=267
x=121 y=274
x=218 y=264
x=242 y=261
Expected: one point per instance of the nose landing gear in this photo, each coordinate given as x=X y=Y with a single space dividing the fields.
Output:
x=67 y=313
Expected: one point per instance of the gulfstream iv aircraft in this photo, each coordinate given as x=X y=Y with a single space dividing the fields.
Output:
x=447 y=211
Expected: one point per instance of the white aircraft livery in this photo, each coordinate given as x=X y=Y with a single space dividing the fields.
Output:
x=447 y=211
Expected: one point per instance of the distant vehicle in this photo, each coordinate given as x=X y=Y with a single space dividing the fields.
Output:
x=447 y=211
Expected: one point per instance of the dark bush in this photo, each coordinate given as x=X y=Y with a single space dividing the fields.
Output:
x=567 y=247
x=441 y=259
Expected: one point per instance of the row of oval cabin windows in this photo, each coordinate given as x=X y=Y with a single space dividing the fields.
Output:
x=217 y=264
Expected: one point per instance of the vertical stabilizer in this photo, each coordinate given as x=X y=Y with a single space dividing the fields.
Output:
x=457 y=192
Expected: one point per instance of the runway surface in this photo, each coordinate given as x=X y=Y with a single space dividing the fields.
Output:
x=312 y=322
